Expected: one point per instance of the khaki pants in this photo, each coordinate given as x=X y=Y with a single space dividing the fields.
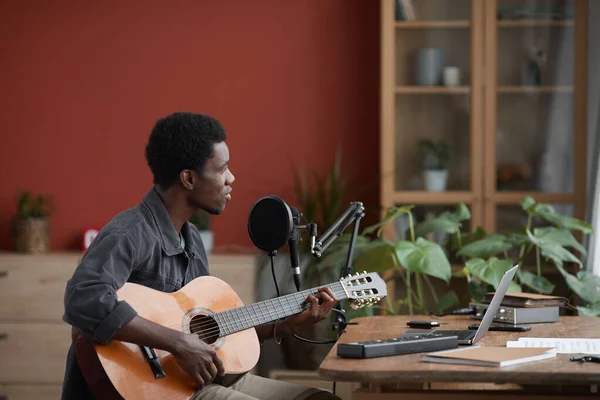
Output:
x=252 y=387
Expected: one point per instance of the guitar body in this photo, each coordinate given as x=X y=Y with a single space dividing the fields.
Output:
x=126 y=365
x=209 y=308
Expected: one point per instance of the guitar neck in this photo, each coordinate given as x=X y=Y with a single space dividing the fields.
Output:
x=249 y=316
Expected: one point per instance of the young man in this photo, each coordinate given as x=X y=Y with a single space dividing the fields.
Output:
x=153 y=244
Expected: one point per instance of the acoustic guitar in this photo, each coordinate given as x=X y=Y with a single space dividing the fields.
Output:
x=209 y=308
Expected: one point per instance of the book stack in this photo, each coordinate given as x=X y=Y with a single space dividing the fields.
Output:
x=523 y=308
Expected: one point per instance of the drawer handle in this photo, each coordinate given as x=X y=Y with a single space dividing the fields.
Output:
x=3 y=336
x=2 y=275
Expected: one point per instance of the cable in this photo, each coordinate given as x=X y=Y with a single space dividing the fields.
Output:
x=331 y=341
x=272 y=255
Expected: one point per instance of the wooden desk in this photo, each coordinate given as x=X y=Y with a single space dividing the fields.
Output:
x=417 y=379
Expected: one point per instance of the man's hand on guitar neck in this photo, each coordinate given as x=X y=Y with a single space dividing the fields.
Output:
x=320 y=308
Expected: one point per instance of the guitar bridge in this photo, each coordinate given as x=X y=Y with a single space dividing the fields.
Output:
x=154 y=362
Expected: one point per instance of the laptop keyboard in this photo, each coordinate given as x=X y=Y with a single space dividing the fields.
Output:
x=462 y=335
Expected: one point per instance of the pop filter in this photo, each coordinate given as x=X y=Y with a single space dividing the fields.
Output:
x=270 y=223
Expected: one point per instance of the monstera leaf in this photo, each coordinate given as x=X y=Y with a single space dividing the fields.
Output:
x=490 y=245
x=553 y=250
x=538 y=283
x=490 y=271
x=449 y=222
x=425 y=257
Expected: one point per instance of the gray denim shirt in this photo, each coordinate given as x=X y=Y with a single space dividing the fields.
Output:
x=139 y=245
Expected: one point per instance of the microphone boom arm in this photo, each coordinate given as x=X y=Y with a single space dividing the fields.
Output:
x=353 y=213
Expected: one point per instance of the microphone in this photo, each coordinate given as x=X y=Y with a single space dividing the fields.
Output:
x=293 y=246
x=313 y=236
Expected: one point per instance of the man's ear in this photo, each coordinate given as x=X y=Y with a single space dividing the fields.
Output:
x=188 y=179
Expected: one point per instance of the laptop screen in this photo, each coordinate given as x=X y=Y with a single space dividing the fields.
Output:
x=492 y=309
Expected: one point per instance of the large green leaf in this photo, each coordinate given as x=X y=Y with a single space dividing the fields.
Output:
x=448 y=300
x=593 y=310
x=377 y=259
x=585 y=285
x=490 y=271
x=436 y=225
x=563 y=237
x=538 y=283
x=553 y=250
x=547 y=212
x=490 y=245
x=425 y=257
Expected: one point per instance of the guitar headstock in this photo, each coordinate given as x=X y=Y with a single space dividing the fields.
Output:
x=364 y=289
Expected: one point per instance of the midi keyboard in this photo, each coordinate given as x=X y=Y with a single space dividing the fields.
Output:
x=405 y=344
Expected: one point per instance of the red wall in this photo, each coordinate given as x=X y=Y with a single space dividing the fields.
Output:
x=82 y=84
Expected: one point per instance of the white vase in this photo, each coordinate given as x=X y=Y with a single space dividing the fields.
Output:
x=208 y=240
x=435 y=180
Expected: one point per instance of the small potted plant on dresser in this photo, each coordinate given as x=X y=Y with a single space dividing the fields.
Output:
x=434 y=158
x=31 y=227
x=202 y=221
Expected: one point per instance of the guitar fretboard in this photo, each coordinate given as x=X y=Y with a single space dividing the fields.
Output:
x=238 y=319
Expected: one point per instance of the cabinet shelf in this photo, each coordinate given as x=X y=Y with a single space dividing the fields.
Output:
x=432 y=89
x=535 y=89
x=456 y=24
x=542 y=23
x=435 y=198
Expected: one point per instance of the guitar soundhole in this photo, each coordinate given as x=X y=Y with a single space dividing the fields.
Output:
x=205 y=327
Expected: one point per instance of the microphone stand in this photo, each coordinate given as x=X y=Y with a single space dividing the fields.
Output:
x=353 y=214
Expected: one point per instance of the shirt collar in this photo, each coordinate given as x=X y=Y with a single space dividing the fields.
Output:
x=170 y=242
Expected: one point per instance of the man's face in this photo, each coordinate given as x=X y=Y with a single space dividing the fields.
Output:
x=214 y=187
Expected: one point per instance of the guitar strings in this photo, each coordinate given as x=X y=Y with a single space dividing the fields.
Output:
x=206 y=333
x=216 y=327
x=339 y=293
x=239 y=321
x=200 y=326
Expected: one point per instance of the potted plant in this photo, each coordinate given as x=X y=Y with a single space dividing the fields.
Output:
x=202 y=221
x=31 y=227
x=416 y=261
x=434 y=158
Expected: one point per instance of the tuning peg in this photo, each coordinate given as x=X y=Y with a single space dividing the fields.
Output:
x=357 y=274
x=354 y=306
x=364 y=272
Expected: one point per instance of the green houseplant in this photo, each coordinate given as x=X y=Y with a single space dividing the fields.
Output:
x=433 y=159
x=30 y=226
x=485 y=257
x=201 y=219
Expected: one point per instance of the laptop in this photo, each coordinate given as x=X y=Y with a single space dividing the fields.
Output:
x=469 y=337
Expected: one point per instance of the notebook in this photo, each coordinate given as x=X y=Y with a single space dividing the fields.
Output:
x=529 y=300
x=490 y=356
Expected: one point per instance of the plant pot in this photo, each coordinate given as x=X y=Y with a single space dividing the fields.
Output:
x=208 y=240
x=435 y=180
x=31 y=235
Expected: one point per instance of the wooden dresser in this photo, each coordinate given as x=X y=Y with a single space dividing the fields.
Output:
x=33 y=338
